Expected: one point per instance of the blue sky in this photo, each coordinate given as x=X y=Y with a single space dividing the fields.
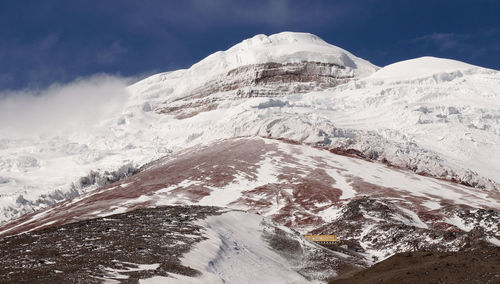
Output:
x=57 y=41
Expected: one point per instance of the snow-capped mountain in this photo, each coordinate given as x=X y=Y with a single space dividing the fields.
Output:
x=289 y=127
x=38 y=170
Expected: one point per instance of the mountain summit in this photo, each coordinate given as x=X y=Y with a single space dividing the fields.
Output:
x=283 y=48
x=262 y=66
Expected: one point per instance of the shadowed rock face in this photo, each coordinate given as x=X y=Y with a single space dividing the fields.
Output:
x=478 y=266
x=259 y=80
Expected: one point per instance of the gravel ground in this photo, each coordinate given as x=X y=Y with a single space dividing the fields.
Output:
x=124 y=247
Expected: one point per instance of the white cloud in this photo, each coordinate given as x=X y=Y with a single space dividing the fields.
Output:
x=77 y=105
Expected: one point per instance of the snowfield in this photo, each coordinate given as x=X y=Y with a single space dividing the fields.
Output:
x=235 y=252
x=432 y=116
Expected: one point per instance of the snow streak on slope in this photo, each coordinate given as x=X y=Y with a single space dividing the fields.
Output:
x=238 y=251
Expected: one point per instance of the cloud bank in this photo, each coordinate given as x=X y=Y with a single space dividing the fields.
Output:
x=78 y=105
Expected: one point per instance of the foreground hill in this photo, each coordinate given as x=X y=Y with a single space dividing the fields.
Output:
x=173 y=244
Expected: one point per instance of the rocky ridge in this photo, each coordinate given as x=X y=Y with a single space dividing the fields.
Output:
x=258 y=80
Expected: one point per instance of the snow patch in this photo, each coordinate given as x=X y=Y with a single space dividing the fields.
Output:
x=235 y=252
